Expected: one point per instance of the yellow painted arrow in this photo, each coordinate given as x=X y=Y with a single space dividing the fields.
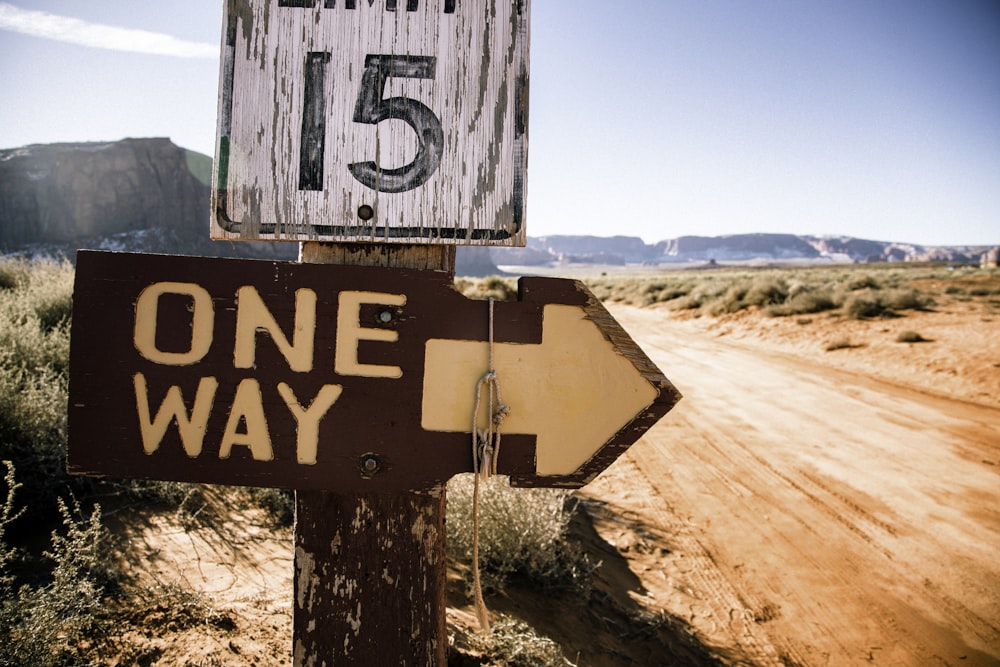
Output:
x=574 y=391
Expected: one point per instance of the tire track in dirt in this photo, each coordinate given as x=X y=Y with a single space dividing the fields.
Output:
x=691 y=585
x=856 y=520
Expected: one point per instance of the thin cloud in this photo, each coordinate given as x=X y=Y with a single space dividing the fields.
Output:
x=98 y=36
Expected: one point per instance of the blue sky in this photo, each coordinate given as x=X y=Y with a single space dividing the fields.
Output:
x=871 y=118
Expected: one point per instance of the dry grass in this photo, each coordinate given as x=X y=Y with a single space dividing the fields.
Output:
x=522 y=532
x=868 y=291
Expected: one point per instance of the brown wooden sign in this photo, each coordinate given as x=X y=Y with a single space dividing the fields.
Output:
x=345 y=378
x=376 y=121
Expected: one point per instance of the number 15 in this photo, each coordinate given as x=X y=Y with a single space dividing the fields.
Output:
x=372 y=108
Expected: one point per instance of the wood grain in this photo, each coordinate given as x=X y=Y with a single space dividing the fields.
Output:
x=371 y=569
x=302 y=104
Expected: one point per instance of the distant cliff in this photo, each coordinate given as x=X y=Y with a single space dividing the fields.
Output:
x=134 y=194
x=734 y=248
x=150 y=195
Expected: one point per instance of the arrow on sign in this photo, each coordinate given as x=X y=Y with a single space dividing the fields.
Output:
x=574 y=392
x=355 y=379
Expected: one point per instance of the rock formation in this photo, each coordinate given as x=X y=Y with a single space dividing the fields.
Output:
x=150 y=195
x=134 y=194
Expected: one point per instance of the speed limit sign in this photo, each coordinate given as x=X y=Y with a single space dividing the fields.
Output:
x=373 y=121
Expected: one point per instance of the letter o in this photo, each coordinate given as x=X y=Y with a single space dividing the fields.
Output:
x=202 y=323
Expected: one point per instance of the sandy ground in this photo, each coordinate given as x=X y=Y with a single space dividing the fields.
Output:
x=835 y=518
x=799 y=507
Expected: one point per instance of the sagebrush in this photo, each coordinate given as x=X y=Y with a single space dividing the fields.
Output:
x=42 y=623
x=522 y=532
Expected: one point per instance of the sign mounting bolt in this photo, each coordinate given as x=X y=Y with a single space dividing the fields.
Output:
x=370 y=465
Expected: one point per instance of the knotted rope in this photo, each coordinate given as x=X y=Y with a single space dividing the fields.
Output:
x=485 y=451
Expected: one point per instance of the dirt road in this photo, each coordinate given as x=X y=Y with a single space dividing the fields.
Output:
x=812 y=516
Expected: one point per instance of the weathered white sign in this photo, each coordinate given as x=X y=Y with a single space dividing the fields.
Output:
x=373 y=121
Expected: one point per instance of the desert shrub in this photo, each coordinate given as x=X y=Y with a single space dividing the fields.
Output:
x=910 y=337
x=8 y=515
x=841 y=344
x=867 y=304
x=54 y=310
x=701 y=295
x=175 y=607
x=43 y=287
x=513 y=643
x=862 y=282
x=730 y=301
x=33 y=430
x=602 y=289
x=652 y=288
x=35 y=308
x=279 y=503
x=864 y=305
x=742 y=292
x=803 y=302
x=9 y=275
x=766 y=291
x=521 y=532
x=495 y=287
x=620 y=290
x=671 y=293
x=905 y=299
x=41 y=624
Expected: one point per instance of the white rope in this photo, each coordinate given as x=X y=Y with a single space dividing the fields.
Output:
x=485 y=452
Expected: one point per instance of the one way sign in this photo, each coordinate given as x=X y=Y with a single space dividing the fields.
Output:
x=343 y=378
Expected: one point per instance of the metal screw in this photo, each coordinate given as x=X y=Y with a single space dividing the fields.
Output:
x=370 y=464
x=366 y=212
x=385 y=316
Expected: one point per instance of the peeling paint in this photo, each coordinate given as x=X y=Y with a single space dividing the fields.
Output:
x=481 y=51
x=355 y=620
x=305 y=565
x=335 y=544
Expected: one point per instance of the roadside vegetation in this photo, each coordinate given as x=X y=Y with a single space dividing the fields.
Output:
x=62 y=600
x=862 y=291
x=60 y=597
x=855 y=292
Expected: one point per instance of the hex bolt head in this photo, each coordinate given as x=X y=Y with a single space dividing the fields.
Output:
x=385 y=316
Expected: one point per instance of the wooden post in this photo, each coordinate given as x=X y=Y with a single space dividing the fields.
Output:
x=370 y=570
